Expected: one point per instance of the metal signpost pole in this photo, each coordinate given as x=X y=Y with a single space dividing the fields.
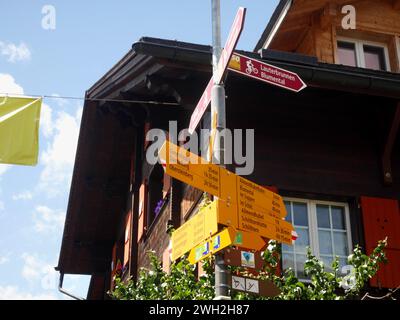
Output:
x=217 y=126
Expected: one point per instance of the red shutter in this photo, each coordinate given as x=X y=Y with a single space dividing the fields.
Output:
x=279 y=266
x=142 y=210
x=381 y=219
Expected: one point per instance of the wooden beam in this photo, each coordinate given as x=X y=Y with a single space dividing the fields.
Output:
x=396 y=4
x=305 y=7
x=387 y=153
x=327 y=15
x=302 y=37
x=295 y=23
x=396 y=42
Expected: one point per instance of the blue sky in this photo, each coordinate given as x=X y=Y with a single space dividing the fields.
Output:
x=89 y=38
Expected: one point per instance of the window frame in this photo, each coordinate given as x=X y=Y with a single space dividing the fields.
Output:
x=313 y=223
x=359 y=47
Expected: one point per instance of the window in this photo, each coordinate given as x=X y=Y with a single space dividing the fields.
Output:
x=374 y=58
x=347 y=53
x=363 y=54
x=295 y=256
x=324 y=227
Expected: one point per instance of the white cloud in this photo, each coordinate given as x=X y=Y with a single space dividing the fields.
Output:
x=47 y=220
x=58 y=159
x=14 y=293
x=24 y=195
x=39 y=272
x=2 y=205
x=32 y=268
x=15 y=52
x=46 y=120
x=61 y=102
x=8 y=84
x=4 y=259
x=4 y=168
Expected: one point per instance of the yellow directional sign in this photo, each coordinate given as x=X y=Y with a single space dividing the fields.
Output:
x=199 y=173
x=190 y=168
x=216 y=243
x=228 y=237
x=254 y=221
x=199 y=228
x=247 y=240
x=251 y=195
x=242 y=204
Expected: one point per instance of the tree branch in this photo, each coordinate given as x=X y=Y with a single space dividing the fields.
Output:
x=388 y=295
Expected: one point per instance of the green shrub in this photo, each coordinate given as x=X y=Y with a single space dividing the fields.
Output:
x=181 y=283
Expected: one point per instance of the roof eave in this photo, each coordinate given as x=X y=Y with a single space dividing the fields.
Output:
x=273 y=25
x=329 y=76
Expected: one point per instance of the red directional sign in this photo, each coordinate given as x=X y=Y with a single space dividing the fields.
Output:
x=226 y=55
x=201 y=107
x=266 y=72
x=230 y=44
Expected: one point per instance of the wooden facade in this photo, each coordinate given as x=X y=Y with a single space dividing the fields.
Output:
x=336 y=142
x=312 y=27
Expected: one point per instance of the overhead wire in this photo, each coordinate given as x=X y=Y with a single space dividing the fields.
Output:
x=93 y=99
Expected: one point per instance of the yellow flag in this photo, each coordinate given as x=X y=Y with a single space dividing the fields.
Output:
x=19 y=130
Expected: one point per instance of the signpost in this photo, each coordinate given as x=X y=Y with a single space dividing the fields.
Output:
x=240 y=204
x=222 y=66
x=265 y=72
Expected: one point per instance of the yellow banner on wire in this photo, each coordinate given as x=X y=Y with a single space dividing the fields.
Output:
x=19 y=130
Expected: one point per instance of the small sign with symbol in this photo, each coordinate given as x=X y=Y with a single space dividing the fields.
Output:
x=248 y=259
x=238 y=283
x=217 y=242
x=252 y=286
